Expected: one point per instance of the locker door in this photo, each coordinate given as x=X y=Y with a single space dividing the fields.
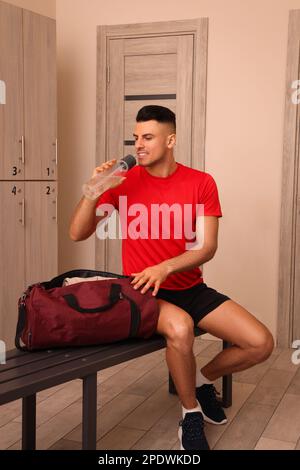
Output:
x=40 y=96
x=11 y=256
x=11 y=102
x=40 y=231
x=153 y=70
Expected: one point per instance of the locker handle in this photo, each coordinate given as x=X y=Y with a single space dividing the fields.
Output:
x=56 y=152
x=55 y=216
x=22 y=220
x=22 y=142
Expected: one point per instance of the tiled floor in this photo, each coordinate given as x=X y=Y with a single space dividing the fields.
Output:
x=135 y=410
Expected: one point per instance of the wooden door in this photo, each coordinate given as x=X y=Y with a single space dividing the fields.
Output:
x=295 y=234
x=141 y=71
x=11 y=107
x=40 y=231
x=149 y=71
x=296 y=304
x=11 y=256
x=39 y=34
x=288 y=321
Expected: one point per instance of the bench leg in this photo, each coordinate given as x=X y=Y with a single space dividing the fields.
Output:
x=29 y=422
x=226 y=384
x=89 y=412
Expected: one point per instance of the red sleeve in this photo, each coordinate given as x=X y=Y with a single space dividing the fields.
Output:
x=208 y=195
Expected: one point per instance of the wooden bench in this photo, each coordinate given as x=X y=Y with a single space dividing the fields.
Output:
x=26 y=373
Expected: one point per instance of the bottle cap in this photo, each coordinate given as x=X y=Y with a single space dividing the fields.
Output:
x=129 y=160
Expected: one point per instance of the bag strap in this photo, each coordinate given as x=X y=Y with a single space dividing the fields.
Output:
x=20 y=327
x=22 y=316
x=135 y=322
x=114 y=296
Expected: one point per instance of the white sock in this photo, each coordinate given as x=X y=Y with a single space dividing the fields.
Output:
x=192 y=410
x=201 y=379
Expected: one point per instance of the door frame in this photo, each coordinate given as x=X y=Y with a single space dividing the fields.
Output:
x=199 y=29
x=289 y=196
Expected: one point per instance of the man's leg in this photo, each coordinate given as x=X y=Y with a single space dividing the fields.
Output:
x=252 y=341
x=178 y=328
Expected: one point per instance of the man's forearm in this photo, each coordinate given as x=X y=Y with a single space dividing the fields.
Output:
x=83 y=220
x=188 y=260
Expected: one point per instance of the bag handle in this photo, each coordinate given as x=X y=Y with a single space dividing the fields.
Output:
x=84 y=273
x=114 y=296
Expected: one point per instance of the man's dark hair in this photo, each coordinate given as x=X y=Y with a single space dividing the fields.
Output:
x=156 y=113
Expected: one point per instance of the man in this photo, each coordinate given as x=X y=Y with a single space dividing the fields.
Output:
x=162 y=261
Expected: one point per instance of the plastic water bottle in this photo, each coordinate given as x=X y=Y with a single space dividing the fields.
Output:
x=105 y=179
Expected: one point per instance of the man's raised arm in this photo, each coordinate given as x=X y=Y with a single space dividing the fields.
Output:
x=84 y=219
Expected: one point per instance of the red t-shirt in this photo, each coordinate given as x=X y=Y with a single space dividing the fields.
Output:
x=147 y=241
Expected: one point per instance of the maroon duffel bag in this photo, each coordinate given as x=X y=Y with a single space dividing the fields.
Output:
x=86 y=313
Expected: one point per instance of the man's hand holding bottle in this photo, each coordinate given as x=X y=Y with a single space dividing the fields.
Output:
x=107 y=176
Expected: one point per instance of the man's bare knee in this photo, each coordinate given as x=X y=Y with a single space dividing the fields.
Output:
x=176 y=326
x=258 y=345
x=181 y=335
x=262 y=347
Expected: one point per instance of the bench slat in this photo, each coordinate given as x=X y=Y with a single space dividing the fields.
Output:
x=33 y=357
x=77 y=368
x=14 y=353
x=46 y=362
x=28 y=358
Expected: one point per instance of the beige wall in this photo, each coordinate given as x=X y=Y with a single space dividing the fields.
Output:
x=43 y=7
x=245 y=105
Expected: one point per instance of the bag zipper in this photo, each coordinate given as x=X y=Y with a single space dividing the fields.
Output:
x=29 y=339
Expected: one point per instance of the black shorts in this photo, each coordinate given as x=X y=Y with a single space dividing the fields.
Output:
x=197 y=301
